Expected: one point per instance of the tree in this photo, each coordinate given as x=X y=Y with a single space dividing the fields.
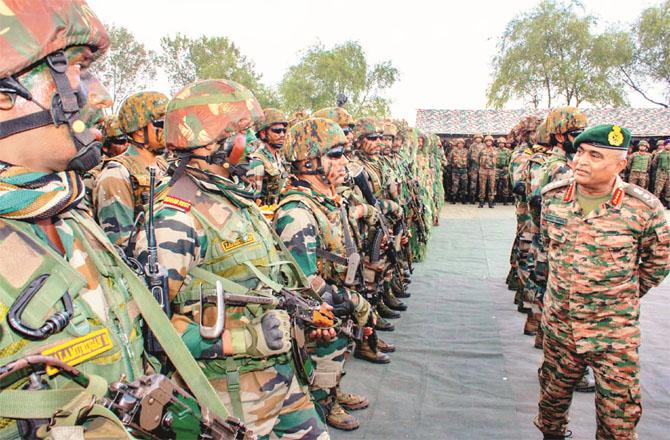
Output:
x=321 y=74
x=550 y=53
x=647 y=61
x=127 y=67
x=186 y=60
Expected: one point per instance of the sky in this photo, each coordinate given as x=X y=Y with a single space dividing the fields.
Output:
x=443 y=49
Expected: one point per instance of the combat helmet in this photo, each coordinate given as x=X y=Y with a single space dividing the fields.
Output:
x=389 y=128
x=564 y=120
x=338 y=114
x=139 y=110
x=271 y=116
x=209 y=111
x=643 y=142
x=311 y=138
x=541 y=134
x=32 y=32
x=488 y=137
x=501 y=140
x=365 y=127
x=478 y=135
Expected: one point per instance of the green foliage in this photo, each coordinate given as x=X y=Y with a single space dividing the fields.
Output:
x=186 y=60
x=550 y=54
x=649 y=60
x=127 y=67
x=322 y=73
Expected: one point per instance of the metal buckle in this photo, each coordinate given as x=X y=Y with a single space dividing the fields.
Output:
x=214 y=331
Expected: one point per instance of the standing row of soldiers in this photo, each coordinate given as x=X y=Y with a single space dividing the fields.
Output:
x=650 y=170
x=588 y=245
x=478 y=172
x=221 y=260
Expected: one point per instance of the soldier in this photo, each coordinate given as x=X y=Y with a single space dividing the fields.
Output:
x=458 y=161
x=63 y=286
x=617 y=237
x=487 y=161
x=661 y=166
x=119 y=192
x=267 y=172
x=310 y=221
x=114 y=141
x=346 y=122
x=502 y=174
x=475 y=148
x=639 y=165
x=209 y=230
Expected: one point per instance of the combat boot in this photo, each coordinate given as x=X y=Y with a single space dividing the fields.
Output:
x=383 y=325
x=385 y=312
x=338 y=418
x=492 y=204
x=351 y=401
x=587 y=384
x=391 y=301
x=384 y=346
x=398 y=289
x=531 y=325
x=365 y=352
x=568 y=434
x=481 y=203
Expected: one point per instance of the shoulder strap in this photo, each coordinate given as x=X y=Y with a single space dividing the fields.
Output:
x=556 y=184
x=641 y=194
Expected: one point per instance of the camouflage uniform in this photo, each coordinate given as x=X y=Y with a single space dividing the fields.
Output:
x=267 y=171
x=209 y=230
x=458 y=161
x=52 y=246
x=639 y=165
x=661 y=165
x=502 y=166
x=598 y=270
x=487 y=173
x=473 y=165
x=120 y=189
x=311 y=226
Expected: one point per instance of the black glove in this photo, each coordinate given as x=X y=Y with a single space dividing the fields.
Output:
x=340 y=300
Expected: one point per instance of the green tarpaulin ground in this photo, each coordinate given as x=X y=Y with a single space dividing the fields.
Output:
x=463 y=369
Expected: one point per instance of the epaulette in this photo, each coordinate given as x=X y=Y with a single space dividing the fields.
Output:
x=556 y=184
x=641 y=194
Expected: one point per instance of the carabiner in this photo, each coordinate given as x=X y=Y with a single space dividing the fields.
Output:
x=54 y=324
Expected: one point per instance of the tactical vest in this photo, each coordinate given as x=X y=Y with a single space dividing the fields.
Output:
x=503 y=156
x=374 y=173
x=487 y=159
x=663 y=161
x=104 y=335
x=139 y=178
x=242 y=250
x=275 y=175
x=328 y=220
x=640 y=162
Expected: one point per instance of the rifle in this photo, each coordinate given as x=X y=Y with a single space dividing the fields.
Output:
x=309 y=312
x=154 y=274
x=353 y=257
x=152 y=407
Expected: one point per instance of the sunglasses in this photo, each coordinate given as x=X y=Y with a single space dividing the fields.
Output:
x=159 y=123
x=278 y=130
x=374 y=137
x=347 y=130
x=336 y=152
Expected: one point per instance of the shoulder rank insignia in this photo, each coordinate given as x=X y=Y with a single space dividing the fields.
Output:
x=556 y=184
x=641 y=194
x=176 y=203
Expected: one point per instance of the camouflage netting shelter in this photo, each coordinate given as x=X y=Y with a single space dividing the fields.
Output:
x=648 y=123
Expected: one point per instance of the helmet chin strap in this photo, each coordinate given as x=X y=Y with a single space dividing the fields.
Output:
x=317 y=171
x=66 y=105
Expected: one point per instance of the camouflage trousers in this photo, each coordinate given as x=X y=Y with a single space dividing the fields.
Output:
x=274 y=403
x=473 y=179
x=328 y=361
x=459 y=183
x=503 y=188
x=525 y=268
x=662 y=186
x=639 y=178
x=617 y=375
x=539 y=275
x=487 y=184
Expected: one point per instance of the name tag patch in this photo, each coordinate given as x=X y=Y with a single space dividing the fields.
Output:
x=178 y=204
x=76 y=351
x=242 y=241
x=555 y=219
